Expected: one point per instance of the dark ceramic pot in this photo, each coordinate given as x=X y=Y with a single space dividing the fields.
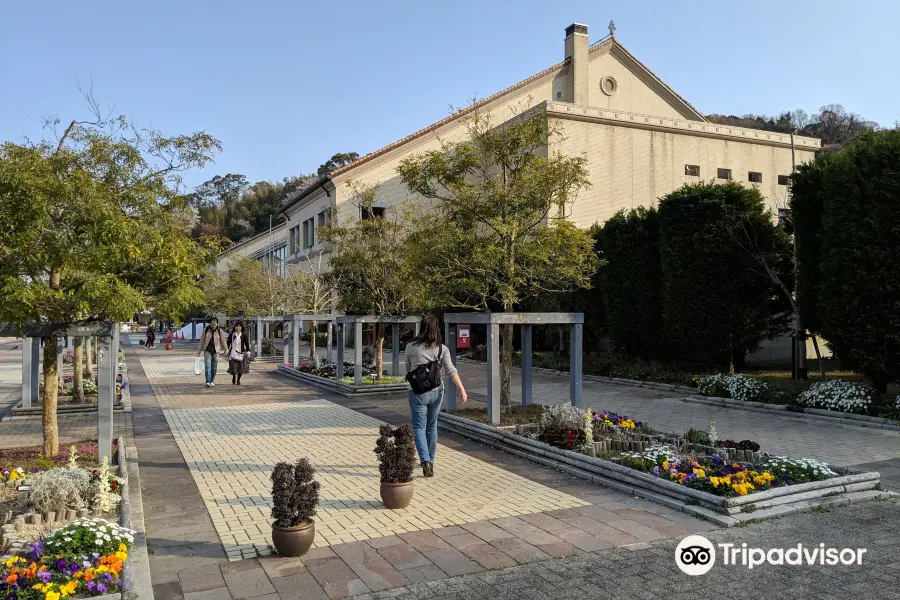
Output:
x=168 y=346
x=293 y=541
x=397 y=495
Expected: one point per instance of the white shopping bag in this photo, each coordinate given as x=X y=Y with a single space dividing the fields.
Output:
x=198 y=366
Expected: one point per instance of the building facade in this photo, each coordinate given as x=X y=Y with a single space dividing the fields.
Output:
x=641 y=139
x=269 y=248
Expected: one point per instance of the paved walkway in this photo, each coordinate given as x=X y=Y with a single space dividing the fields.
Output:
x=483 y=510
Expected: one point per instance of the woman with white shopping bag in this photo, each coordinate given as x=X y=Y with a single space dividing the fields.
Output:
x=212 y=344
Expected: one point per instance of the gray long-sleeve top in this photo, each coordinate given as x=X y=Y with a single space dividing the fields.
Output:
x=419 y=354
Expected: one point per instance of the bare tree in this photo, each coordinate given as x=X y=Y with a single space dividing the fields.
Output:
x=308 y=289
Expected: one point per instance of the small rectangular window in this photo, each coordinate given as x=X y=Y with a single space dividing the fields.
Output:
x=784 y=180
x=724 y=174
x=309 y=233
x=292 y=240
x=692 y=170
x=324 y=217
x=754 y=177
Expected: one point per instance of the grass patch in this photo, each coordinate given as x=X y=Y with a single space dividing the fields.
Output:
x=514 y=415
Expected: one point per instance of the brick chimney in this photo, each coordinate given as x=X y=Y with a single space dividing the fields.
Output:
x=576 y=87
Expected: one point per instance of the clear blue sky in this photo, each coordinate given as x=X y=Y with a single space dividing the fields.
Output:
x=286 y=84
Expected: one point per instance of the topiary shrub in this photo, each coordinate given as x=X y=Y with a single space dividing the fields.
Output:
x=837 y=394
x=295 y=493
x=396 y=451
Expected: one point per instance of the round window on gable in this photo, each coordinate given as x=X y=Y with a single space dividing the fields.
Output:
x=608 y=85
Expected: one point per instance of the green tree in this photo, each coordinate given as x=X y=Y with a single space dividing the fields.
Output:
x=856 y=281
x=716 y=298
x=88 y=229
x=336 y=162
x=633 y=282
x=499 y=234
x=371 y=266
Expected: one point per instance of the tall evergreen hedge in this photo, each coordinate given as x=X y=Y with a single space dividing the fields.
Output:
x=717 y=301
x=859 y=287
x=632 y=281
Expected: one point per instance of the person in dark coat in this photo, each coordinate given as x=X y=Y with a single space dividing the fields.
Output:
x=238 y=352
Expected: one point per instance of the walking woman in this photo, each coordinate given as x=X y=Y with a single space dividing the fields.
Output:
x=151 y=336
x=427 y=359
x=212 y=344
x=238 y=352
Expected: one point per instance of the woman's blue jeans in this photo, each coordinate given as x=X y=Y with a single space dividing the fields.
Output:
x=211 y=362
x=425 y=408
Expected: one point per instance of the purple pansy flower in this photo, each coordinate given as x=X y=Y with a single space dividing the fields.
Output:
x=45 y=576
x=92 y=586
x=101 y=588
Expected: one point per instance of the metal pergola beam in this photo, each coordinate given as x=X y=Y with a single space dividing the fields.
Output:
x=527 y=321
x=107 y=333
x=357 y=322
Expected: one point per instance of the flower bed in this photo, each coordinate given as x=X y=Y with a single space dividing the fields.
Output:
x=325 y=377
x=724 y=481
x=83 y=558
x=836 y=394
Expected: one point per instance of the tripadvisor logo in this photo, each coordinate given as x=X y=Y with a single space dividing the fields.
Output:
x=696 y=555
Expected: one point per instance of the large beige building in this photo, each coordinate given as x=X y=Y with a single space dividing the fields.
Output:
x=642 y=140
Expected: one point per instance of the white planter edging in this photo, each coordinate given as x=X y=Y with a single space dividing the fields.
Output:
x=721 y=510
x=343 y=388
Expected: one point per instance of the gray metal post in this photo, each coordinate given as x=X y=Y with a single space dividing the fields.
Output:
x=297 y=325
x=340 y=351
x=395 y=349
x=416 y=329
x=193 y=330
x=526 y=364
x=286 y=345
x=329 y=341
x=59 y=356
x=106 y=384
x=575 y=365
x=257 y=323
x=493 y=373
x=357 y=353
x=31 y=357
x=450 y=391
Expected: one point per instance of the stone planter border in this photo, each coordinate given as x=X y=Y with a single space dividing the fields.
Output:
x=849 y=486
x=783 y=409
x=344 y=389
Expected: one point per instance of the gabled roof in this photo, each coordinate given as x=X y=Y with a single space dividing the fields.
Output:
x=610 y=44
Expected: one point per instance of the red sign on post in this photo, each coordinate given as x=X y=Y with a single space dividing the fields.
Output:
x=463 y=336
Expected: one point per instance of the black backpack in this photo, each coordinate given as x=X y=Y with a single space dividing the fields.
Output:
x=426 y=377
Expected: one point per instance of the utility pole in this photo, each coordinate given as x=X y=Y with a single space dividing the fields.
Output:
x=800 y=371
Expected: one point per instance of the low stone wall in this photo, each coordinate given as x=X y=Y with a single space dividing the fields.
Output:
x=343 y=388
x=849 y=486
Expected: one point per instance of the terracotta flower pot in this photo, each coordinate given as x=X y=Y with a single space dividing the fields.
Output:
x=168 y=346
x=293 y=541
x=396 y=495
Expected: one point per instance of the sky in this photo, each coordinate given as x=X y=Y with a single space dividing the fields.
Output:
x=286 y=84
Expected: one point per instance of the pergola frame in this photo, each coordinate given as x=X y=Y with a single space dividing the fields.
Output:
x=107 y=333
x=357 y=322
x=296 y=322
x=527 y=322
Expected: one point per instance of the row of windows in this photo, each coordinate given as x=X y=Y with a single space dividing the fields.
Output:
x=752 y=176
x=303 y=236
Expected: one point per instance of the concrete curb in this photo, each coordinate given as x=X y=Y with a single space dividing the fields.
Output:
x=814 y=414
x=136 y=583
x=349 y=391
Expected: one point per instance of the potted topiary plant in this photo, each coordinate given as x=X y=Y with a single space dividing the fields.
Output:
x=396 y=451
x=295 y=495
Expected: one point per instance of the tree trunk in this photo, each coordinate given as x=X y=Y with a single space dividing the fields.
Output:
x=379 y=351
x=50 y=396
x=89 y=359
x=78 y=371
x=313 y=358
x=506 y=351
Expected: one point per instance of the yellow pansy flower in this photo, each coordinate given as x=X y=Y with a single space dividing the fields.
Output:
x=51 y=596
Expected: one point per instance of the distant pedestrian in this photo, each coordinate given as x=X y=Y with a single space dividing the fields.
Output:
x=427 y=359
x=151 y=336
x=238 y=353
x=212 y=344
